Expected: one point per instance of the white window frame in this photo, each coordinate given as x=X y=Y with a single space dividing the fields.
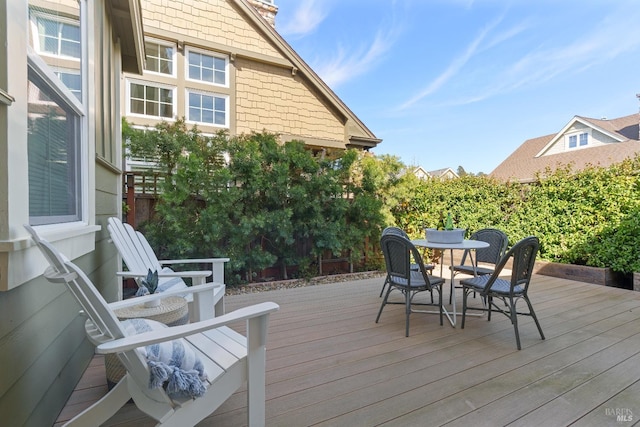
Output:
x=190 y=49
x=47 y=76
x=187 y=108
x=36 y=39
x=577 y=134
x=57 y=71
x=20 y=260
x=173 y=57
x=154 y=84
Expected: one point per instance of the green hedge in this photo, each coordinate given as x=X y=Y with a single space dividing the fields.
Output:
x=258 y=201
x=588 y=217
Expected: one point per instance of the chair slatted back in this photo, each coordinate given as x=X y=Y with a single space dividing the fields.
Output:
x=498 y=242
x=524 y=258
x=399 y=255
x=98 y=311
x=395 y=230
x=93 y=304
x=524 y=255
x=133 y=247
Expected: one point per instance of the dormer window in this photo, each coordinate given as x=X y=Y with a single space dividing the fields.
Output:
x=577 y=140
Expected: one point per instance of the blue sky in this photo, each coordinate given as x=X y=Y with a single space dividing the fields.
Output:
x=448 y=83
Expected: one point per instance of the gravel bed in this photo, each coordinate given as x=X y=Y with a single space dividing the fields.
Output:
x=298 y=283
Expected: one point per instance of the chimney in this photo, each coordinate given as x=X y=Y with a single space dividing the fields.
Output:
x=267 y=9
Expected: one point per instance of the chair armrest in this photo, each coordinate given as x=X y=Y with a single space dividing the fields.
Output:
x=217 y=265
x=194 y=261
x=171 y=333
x=190 y=274
x=178 y=292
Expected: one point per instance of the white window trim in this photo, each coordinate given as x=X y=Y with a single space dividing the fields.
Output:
x=20 y=260
x=154 y=84
x=209 y=53
x=577 y=134
x=203 y=92
x=174 y=57
x=36 y=40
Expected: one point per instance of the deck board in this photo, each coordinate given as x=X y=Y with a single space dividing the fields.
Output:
x=330 y=364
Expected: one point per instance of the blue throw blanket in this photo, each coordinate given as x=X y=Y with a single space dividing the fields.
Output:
x=173 y=365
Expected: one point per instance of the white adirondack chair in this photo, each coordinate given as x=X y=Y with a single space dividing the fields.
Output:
x=139 y=257
x=229 y=358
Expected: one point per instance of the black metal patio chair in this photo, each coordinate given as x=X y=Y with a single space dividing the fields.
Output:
x=399 y=255
x=510 y=291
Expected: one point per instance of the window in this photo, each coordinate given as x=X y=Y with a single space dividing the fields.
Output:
x=53 y=144
x=56 y=120
x=207 y=68
x=578 y=140
x=57 y=36
x=149 y=100
x=72 y=80
x=160 y=57
x=584 y=138
x=208 y=108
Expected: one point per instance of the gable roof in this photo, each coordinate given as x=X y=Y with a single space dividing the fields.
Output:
x=532 y=158
x=443 y=173
x=359 y=134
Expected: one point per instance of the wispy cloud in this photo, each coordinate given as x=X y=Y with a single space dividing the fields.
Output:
x=476 y=46
x=604 y=41
x=307 y=17
x=349 y=63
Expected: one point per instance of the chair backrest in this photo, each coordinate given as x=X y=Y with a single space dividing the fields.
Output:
x=96 y=308
x=93 y=304
x=133 y=247
x=523 y=255
x=498 y=242
x=395 y=230
x=524 y=258
x=399 y=255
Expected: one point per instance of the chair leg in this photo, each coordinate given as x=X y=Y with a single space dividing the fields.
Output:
x=407 y=298
x=514 y=321
x=464 y=306
x=533 y=314
x=104 y=408
x=384 y=302
x=439 y=302
x=386 y=281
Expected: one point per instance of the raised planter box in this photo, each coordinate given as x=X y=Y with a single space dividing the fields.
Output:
x=581 y=273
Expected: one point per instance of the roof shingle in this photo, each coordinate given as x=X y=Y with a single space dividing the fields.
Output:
x=522 y=165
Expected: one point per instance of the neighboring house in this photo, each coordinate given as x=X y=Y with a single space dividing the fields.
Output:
x=583 y=141
x=446 y=173
x=222 y=66
x=420 y=173
x=60 y=157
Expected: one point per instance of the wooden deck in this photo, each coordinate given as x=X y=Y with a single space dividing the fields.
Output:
x=329 y=364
